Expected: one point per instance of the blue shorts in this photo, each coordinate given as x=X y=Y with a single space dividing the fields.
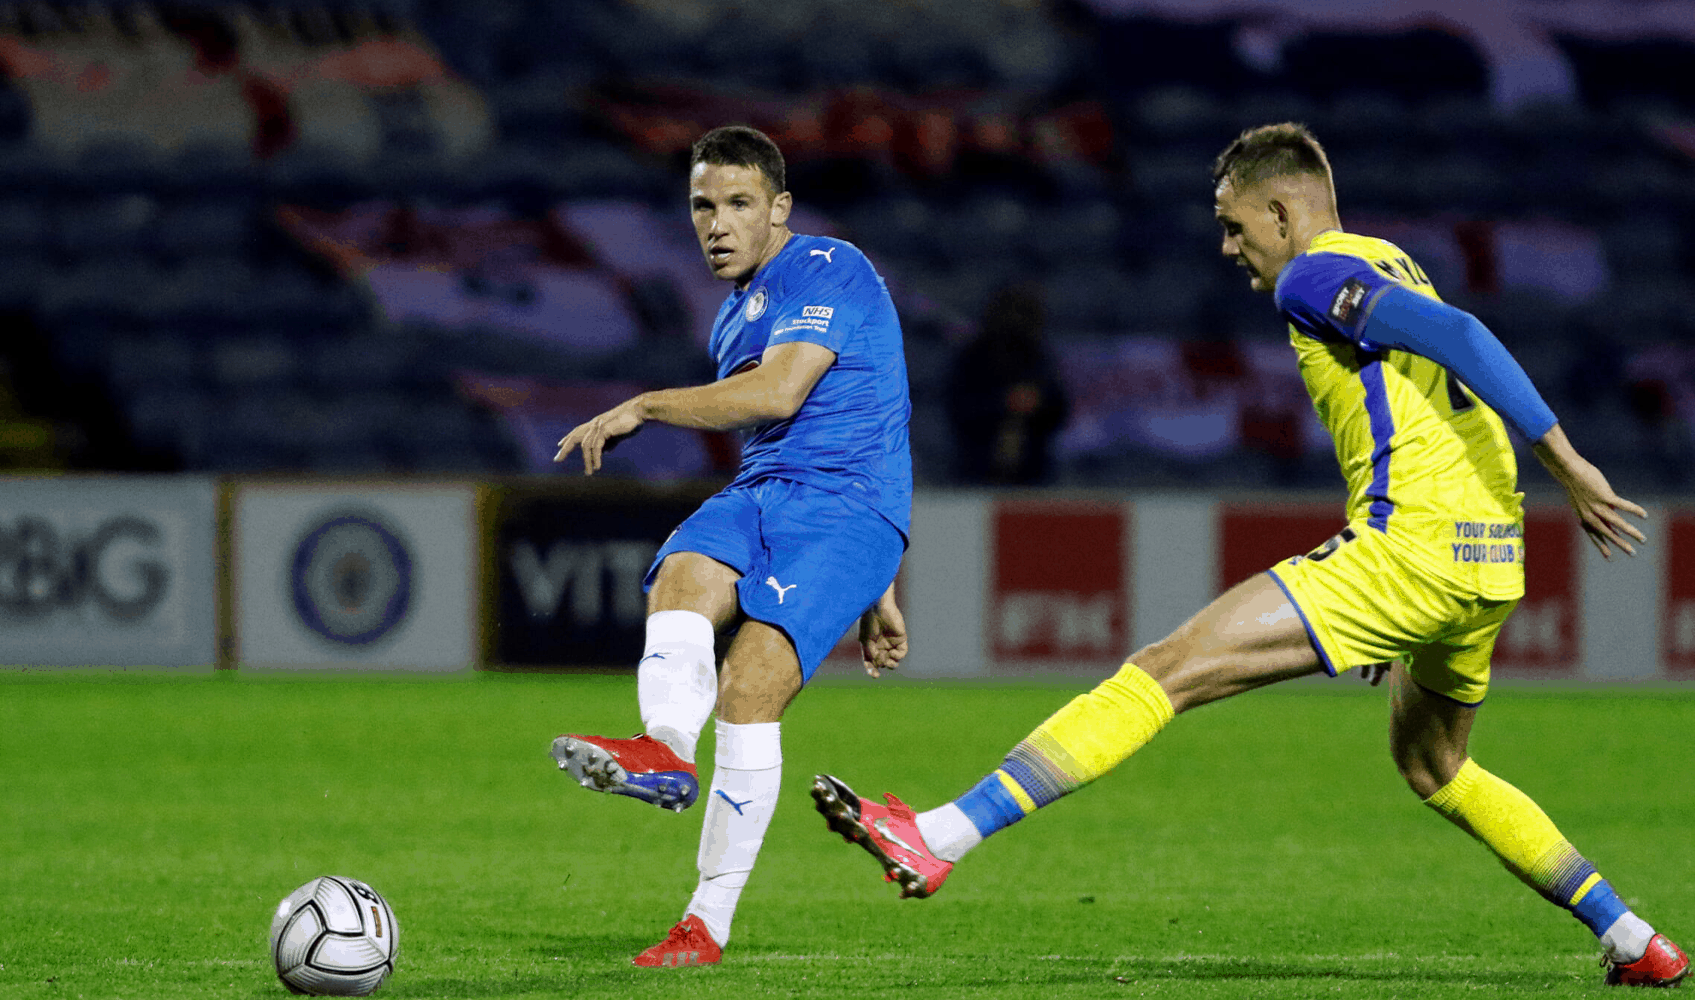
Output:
x=811 y=561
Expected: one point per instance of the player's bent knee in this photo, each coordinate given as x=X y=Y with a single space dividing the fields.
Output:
x=1424 y=769
x=689 y=581
x=1165 y=661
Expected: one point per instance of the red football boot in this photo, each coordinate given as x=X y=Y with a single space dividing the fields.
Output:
x=889 y=833
x=640 y=767
x=687 y=944
x=1663 y=964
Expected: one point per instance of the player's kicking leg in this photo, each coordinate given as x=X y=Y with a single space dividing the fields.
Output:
x=1249 y=637
x=761 y=676
x=1428 y=735
x=676 y=688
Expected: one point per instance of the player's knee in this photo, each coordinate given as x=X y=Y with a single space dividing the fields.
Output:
x=1424 y=769
x=689 y=581
x=1164 y=662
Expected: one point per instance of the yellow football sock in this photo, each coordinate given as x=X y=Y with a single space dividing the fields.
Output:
x=1087 y=738
x=1519 y=833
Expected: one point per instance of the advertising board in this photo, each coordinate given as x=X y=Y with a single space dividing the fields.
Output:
x=330 y=575
x=569 y=557
x=1060 y=594
x=107 y=571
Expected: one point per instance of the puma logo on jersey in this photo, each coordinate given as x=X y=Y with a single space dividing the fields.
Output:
x=824 y=254
x=771 y=582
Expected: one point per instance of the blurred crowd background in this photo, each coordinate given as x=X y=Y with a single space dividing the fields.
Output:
x=432 y=235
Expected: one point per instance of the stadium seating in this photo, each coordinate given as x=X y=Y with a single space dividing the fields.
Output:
x=1054 y=143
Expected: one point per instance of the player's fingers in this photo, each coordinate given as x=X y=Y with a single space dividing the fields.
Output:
x=1625 y=526
x=592 y=443
x=1609 y=524
x=568 y=442
x=1622 y=504
x=1599 y=542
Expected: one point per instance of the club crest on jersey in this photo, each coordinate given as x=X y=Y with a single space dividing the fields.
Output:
x=755 y=305
x=1348 y=300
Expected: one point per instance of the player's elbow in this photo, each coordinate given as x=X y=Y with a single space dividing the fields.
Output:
x=789 y=400
x=783 y=397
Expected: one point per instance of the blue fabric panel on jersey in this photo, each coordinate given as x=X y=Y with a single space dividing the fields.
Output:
x=989 y=806
x=1329 y=296
x=1599 y=908
x=1382 y=433
x=850 y=434
x=1312 y=637
x=811 y=561
x=827 y=294
x=1456 y=340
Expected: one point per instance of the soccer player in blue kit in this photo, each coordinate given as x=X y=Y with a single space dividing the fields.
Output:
x=805 y=541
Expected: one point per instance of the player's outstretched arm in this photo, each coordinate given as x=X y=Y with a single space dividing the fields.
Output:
x=1600 y=510
x=882 y=635
x=775 y=390
x=1458 y=341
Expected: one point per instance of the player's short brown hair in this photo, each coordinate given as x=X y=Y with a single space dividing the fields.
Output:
x=1280 y=150
x=742 y=146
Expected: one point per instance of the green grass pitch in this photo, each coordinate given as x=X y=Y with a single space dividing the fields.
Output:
x=1262 y=847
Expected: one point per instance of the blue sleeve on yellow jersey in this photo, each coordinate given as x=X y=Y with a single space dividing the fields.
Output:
x=1459 y=342
x=1332 y=296
x=1328 y=296
x=823 y=301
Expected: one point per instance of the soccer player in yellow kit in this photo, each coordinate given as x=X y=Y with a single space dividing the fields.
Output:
x=1430 y=564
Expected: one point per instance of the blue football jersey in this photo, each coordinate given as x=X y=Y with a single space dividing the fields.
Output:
x=850 y=436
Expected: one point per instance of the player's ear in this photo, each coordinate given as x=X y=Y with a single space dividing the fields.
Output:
x=1280 y=212
x=781 y=206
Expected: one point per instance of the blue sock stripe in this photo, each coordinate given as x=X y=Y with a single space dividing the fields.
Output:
x=989 y=806
x=1569 y=879
x=1040 y=779
x=1599 y=907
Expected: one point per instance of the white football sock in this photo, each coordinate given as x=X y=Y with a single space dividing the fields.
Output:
x=676 y=683
x=1627 y=939
x=746 y=778
x=948 y=832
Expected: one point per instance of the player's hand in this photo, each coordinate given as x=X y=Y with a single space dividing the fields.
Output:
x=882 y=636
x=1373 y=673
x=601 y=434
x=1599 y=509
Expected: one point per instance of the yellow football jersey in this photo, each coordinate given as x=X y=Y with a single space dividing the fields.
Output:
x=1427 y=463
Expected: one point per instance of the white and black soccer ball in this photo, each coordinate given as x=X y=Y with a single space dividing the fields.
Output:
x=334 y=937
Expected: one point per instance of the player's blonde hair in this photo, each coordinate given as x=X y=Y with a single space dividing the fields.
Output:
x=1281 y=150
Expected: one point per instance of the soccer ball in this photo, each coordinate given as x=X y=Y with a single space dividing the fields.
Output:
x=334 y=937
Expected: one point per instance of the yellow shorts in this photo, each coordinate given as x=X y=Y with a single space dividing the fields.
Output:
x=1363 y=603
